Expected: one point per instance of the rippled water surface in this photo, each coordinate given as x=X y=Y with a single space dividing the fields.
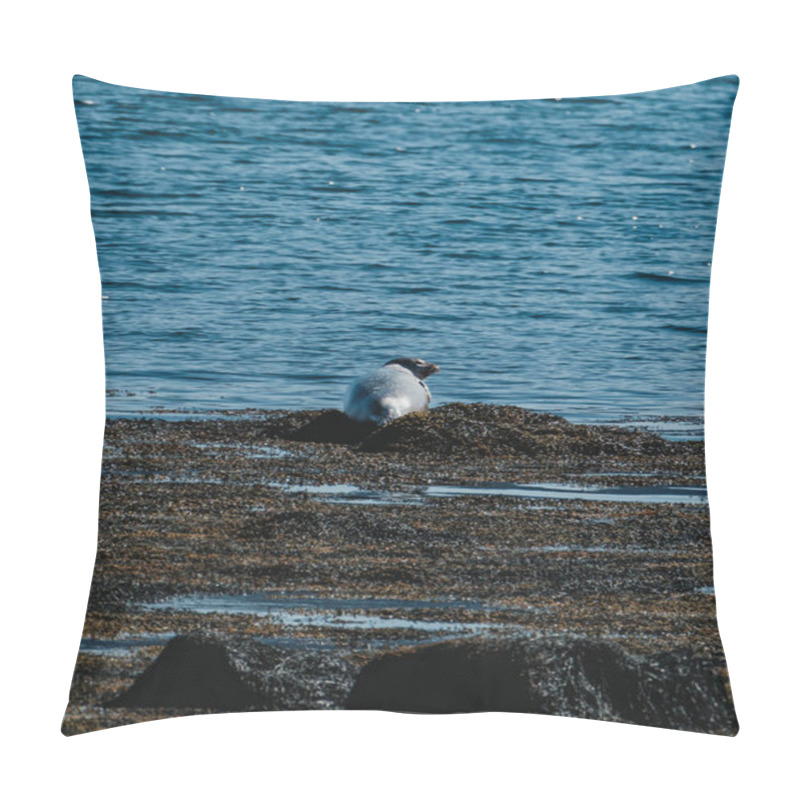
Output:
x=549 y=254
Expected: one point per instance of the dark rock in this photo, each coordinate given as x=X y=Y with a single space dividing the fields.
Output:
x=207 y=671
x=444 y=678
x=574 y=677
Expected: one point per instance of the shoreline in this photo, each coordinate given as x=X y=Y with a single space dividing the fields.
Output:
x=213 y=526
x=675 y=427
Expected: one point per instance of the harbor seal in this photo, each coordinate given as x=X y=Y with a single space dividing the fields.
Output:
x=396 y=388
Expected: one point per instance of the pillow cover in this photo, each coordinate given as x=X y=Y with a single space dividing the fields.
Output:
x=520 y=526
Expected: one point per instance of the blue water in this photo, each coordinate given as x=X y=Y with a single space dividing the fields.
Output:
x=550 y=254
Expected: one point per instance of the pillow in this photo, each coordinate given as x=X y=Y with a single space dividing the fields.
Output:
x=404 y=407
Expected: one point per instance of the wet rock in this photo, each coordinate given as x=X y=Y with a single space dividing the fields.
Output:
x=574 y=677
x=206 y=671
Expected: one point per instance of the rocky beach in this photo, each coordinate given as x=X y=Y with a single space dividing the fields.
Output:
x=476 y=557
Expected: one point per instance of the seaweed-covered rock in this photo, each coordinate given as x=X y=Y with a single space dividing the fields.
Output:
x=480 y=436
x=202 y=670
x=491 y=430
x=575 y=677
x=597 y=680
x=476 y=429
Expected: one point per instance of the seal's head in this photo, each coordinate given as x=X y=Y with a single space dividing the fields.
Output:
x=416 y=366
